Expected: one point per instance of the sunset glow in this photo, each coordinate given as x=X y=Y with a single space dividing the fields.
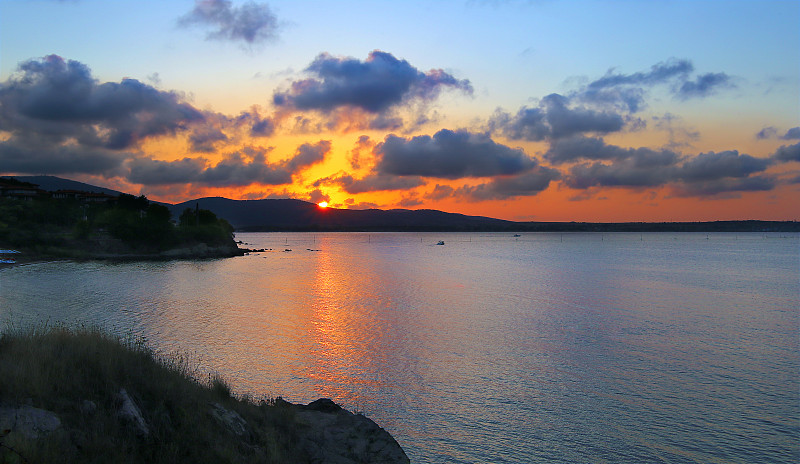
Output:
x=322 y=204
x=515 y=110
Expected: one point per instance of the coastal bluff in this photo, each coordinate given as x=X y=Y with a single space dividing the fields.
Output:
x=80 y=395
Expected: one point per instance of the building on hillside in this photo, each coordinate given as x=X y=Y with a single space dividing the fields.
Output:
x=82 y=196
x=12 y=188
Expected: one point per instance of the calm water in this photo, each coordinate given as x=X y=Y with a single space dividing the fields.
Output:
x=542 y=348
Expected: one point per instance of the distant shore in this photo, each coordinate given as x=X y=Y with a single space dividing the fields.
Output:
x=508 y=226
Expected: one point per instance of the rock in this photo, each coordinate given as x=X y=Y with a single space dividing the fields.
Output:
x=130 y=412
x=87 y=407
x=230 y=419
x=322 y=405
x=29 y=421
x=336 y=436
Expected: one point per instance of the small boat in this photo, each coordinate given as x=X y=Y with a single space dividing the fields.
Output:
x=517 y=235
x=441 y=242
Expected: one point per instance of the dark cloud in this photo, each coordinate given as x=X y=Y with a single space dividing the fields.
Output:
x=374 y=85
x=204 y=138
x=767 y=133
x=594 y=148
x=308 y=154
x=57 y=106
x=792 y=134
x=249 y=166
x=156 y=172
x=250 y=22
x=554 y=119
x=440 y=192
x=648 y=169
x=258 y=126
x=628 y=91
x=505 y=187
x=771 y=132
x=787 y=153
x=711 y=166
x=718 y=187
x=449 y=155
x=703 y=86
x=31 y=157
x=702 y=175
x=659 y=73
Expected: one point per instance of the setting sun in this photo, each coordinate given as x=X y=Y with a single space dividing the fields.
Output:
x=322 y=204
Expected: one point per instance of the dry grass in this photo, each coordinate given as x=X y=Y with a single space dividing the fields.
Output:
x=58 y=369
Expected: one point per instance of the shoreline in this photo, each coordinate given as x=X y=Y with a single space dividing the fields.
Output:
x=23 y=256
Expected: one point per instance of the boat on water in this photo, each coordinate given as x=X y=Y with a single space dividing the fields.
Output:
x=441 y=242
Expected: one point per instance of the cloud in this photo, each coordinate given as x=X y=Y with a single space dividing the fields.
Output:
x=449 y=155
x=244 y=167
x=767 y=133
x=711 y=165
x=375 y=85
x=772 y=132
x=594 y=148
x=58 y=107
x=792 y=134
x=203 y=139
x=627 y=91
x=372 y=183
x=156 y=172
x=705 y=174
x=554 y=119
x=634 y=171
x=501 y=188
x=60 y=99
x=703 y=86
x=718 y=187
x=30 y=157
x=259 y=127
x=250 y=22
x=308 y=154
x=659 y=73
x=440 y=192
x=363 y=144
x=787 y=153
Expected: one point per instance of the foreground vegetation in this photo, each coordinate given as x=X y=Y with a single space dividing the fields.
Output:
x=128 y=225
x=78 y=375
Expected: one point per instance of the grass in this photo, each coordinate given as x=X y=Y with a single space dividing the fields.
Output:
x=59 y=369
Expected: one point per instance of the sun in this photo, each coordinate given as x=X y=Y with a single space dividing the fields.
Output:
x=322 y=204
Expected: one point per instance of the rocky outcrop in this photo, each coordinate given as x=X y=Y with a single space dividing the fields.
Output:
x=28 y=421
x=325 y=433
x=333 y=435
x=128 y=411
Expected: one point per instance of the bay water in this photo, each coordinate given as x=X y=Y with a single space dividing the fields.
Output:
x=541 y=348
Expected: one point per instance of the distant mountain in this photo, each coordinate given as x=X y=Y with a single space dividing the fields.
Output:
x=297 y=215
x=52 y=183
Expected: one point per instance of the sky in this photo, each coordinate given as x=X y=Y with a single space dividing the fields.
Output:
x=598 y=111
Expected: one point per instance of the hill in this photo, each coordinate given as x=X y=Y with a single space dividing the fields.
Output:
x=52 y=183
x=297 y=215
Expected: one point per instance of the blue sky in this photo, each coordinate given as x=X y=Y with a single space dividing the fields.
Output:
x=743 y=57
